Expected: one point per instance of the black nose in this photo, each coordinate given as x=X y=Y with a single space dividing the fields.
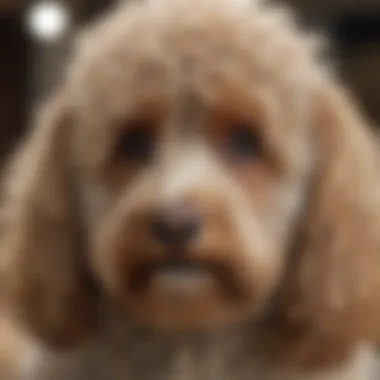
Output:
x=176 y=225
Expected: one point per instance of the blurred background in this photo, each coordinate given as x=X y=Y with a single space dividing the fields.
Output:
x=35 y=38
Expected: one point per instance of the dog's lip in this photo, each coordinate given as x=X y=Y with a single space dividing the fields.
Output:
x=175 y=277
x=179 y=266
x=171 y=273
x=180 y=279
x=184 y=273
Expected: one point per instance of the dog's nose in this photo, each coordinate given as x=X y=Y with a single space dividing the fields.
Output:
x=175 y=225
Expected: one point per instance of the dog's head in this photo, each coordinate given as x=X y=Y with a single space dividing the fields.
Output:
x=199 y=161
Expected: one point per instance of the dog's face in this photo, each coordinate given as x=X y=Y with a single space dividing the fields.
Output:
x=196 y=173
x=207 y=141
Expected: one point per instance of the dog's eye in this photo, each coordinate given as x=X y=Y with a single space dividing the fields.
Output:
x=243 y=143
x=136 y=143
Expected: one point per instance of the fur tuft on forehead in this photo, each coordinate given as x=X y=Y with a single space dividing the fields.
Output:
x=167 y=36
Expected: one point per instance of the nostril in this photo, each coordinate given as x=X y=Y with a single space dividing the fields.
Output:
x=176 y=225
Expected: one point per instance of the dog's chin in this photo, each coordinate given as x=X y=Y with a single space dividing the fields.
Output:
x=185 y=295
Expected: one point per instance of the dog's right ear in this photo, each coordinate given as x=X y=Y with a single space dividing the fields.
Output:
x=48 y=286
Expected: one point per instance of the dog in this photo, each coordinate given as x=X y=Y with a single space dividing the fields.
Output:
x=199 y=199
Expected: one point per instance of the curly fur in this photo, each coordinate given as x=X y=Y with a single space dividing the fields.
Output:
x=295 y=234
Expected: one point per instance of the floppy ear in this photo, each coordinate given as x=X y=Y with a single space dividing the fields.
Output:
x=47 y=284
x=333 y=283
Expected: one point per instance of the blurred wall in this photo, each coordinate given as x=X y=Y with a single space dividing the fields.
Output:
x=47 y=65
x=14 y=68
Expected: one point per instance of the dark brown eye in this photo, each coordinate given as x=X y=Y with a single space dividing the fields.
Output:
x=243 y=143
x=137 y=143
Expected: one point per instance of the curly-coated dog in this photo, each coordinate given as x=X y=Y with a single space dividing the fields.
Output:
x=199 y=200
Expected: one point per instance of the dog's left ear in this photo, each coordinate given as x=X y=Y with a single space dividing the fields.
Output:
x=48 y=285
x=333 y=284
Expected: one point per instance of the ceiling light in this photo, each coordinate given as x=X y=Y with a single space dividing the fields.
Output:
x=48 y=21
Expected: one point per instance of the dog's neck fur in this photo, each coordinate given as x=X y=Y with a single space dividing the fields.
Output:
x=207 y=356
x=121 y=350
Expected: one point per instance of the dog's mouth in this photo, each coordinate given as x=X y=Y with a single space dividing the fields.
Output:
x=183 y=277
x=196 y=290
